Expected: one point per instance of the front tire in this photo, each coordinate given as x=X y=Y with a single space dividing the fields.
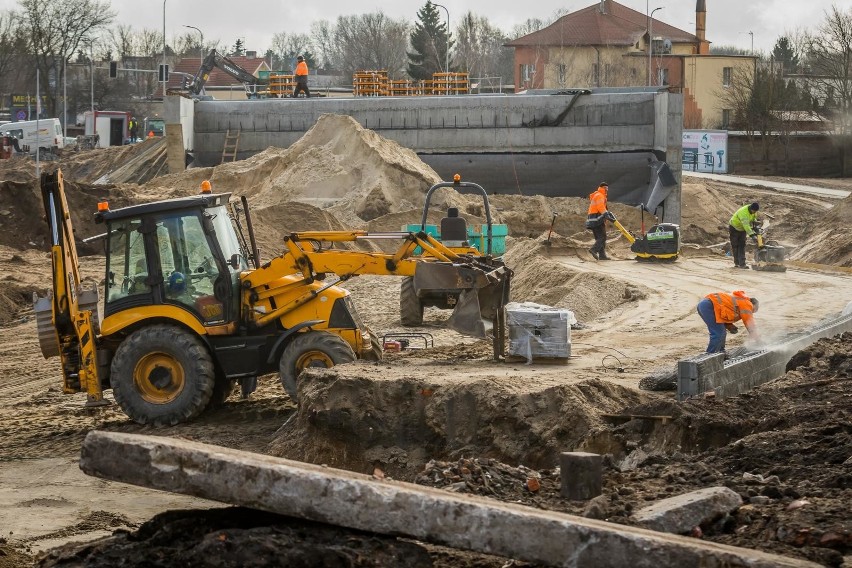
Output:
x=162 y=375
x=410 y=306
x=311 y=349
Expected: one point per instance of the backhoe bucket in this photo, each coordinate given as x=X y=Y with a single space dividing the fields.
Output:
x=467 y=317
x=481 y=295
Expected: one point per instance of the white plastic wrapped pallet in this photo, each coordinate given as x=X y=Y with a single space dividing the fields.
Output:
x=539 y=331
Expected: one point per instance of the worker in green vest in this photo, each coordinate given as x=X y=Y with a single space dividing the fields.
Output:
x=740 y=227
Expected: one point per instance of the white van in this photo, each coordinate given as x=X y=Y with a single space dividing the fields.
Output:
x=47 y=136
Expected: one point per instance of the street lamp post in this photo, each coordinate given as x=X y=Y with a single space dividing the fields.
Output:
x=651 y=40
x=448 y=37
x=92 y=78
x=752 y=42
x=201 y=49
x=164 y=51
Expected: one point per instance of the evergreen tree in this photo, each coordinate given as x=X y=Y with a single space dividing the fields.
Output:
x=784 y=53
x=429 y=42
x=239 y=48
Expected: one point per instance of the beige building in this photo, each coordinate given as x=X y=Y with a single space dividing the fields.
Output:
x=608 y=45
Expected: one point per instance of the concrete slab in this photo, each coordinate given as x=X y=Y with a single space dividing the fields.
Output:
x=780 y=186
x=679 y=514
x=360 y=502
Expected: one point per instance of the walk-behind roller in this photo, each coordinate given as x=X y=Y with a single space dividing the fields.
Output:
x=660 y=243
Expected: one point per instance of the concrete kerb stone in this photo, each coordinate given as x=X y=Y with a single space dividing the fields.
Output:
x=710 y=372
x=679 y=514
x=394 y=508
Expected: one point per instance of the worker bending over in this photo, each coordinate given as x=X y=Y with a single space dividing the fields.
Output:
x=740 y=226
x=720 y=311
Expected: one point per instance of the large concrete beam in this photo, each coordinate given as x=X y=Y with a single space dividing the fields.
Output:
x=710 y=372
x=389 y=507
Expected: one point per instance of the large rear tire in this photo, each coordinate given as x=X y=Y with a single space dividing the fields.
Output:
x=162 y=375
x=311 y=349
x=410 y=306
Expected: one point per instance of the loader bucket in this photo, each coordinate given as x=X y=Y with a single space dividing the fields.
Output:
x=466 y=317
x=481 y=294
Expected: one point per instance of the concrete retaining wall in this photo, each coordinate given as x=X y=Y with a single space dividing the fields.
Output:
x=710 y=372
x=516 y=144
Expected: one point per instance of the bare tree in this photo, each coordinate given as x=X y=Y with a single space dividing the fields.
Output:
x=57 y=29
x=371 y=41
x=480 y=51
x=829 y=56
x=322 y=38
x=285 y=47
x=12 y=46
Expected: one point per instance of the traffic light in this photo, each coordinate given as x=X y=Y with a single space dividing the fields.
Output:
x=113 y=69
x=163 y=73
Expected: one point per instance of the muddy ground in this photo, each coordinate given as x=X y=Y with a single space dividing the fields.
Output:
x=785 y=447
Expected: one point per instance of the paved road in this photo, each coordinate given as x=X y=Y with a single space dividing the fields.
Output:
x=788 y=187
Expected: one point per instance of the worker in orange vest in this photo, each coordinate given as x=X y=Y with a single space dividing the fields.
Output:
x=720 y=311
x=596 y=221
x=301 y=78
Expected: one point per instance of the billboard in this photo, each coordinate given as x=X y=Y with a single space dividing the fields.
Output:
x=23 y=107
x=705 y=151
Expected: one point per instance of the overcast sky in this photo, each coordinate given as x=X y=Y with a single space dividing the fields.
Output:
x=728 y=21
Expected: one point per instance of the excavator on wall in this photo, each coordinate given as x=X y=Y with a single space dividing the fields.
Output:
x=193 y=86
x=186 y=317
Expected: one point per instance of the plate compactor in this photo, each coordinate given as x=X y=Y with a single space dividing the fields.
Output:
x=660 y=243
x=769 y=255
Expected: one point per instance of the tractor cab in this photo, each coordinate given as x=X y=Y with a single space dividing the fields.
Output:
x=167 y=258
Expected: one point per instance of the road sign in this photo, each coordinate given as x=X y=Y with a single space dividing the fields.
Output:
x=21 y=115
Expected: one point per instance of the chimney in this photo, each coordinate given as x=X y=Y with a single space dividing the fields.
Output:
x=602 y=7
x=701 y=27
x=251 y=54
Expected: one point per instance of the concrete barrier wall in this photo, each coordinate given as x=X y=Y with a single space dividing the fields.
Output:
x=605 y=136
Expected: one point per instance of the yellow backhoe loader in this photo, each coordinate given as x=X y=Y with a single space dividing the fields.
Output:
x=185 y=317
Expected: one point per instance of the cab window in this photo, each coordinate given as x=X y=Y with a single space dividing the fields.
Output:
x=127 y=273
x=190 y=271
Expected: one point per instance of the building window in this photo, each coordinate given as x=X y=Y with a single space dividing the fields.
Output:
x=726 y=76
x=726 y=117
x=527 y=72
x=663 y=76
x=560 y=70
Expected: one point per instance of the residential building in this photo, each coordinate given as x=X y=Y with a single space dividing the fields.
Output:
x=610 y=45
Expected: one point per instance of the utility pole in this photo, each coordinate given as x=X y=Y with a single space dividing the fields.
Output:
x=752 y=42
x=164 y=53
x=448 y=38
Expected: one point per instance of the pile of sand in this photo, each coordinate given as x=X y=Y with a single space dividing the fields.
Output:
x=543 y=280
x=337 y=164
x=831 y=239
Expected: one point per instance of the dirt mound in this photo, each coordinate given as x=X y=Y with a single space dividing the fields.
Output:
x=357 y=417
x=337 y=164
x=22 y=212
x=705 y=212
x=86 y=166
x=543 y=280
x=246 y=537
x=15 y=299
x=831 y=239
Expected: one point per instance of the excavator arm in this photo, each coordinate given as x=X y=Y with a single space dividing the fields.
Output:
x=74 y=324
x=215 y=59
x=484 y=286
